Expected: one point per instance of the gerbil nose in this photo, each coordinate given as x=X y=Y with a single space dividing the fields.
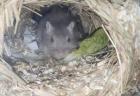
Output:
x=77 y=47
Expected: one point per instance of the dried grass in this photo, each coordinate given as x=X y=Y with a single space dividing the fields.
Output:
x=121 y=23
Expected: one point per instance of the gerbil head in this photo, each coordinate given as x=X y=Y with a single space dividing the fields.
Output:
x=58 y=42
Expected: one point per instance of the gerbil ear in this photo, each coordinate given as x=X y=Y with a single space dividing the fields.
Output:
x=71 y=26
x=49 y=27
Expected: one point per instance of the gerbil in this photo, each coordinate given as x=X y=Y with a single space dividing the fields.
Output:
x=58 y=32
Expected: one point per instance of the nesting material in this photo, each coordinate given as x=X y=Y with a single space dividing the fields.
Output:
x=112 y=74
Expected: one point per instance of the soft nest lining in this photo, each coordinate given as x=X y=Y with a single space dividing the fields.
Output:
x=120 y=30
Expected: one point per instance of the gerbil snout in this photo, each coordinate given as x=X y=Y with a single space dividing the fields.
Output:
x=61 y=53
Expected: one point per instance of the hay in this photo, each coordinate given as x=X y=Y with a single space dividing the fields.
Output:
x=121 y=22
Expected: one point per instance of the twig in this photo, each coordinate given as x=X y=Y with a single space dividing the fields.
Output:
x=32 y=11
x=117 y=52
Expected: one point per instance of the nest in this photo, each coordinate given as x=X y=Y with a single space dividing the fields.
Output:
x=113 y=75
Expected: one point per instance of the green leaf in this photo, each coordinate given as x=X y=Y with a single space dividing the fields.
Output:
x=92 y=44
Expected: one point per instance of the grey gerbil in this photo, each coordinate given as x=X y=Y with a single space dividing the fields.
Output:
x=58 y=32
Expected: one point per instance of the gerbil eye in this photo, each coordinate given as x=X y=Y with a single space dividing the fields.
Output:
x=68 y=39
x=52 y=40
